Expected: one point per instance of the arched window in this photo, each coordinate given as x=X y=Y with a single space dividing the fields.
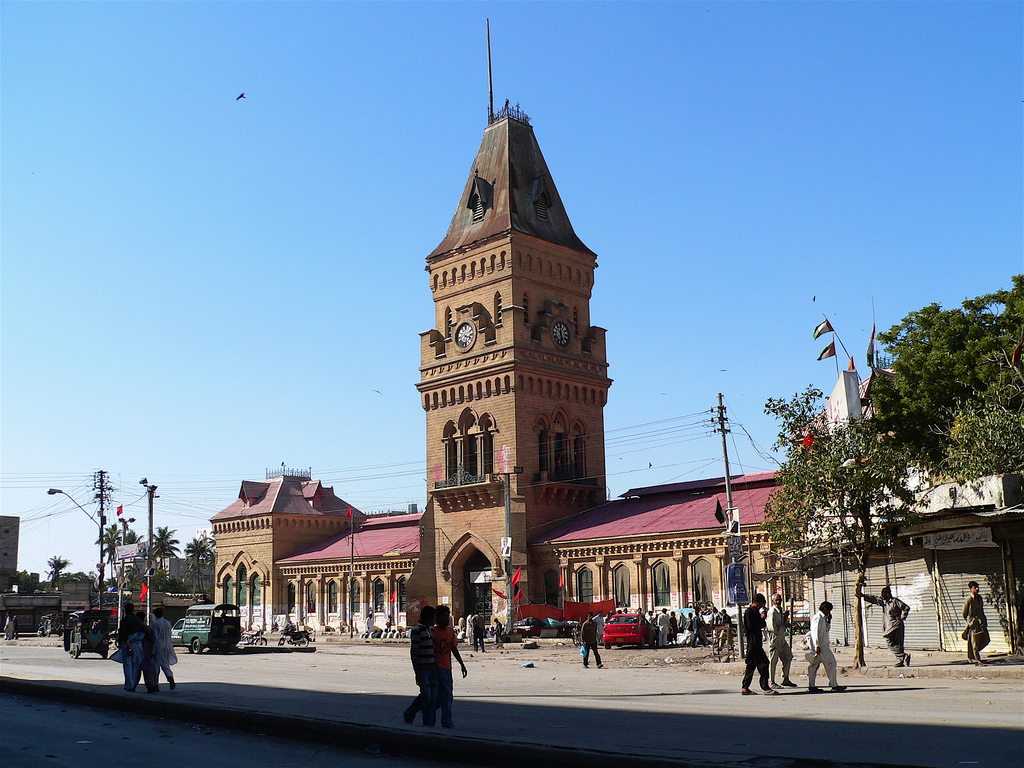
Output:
x=585 y=586
x=310 y=591
x=229 y=590
x=552 y=591
x=378 y=595
x=332 y=597
x=291 y=597
x=354 y=596
x=543 y=450
x=621 y=584
x=447 y=321
x=662 y=585
x=702 y=581
x=497 y=308
x=401 y=593
x=257 y=592
x=243 y=582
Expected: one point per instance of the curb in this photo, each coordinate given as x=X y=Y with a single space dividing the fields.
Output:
x=423 y=744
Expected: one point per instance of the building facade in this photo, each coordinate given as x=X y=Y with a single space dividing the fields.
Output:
x=513 y=378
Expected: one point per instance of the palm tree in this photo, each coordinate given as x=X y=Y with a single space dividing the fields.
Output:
x=200 y=554
x=56 y=564
x=164 y=545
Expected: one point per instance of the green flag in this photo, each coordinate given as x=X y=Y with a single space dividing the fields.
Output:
x=823 y=327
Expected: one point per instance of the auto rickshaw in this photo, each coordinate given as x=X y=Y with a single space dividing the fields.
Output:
x=88 y=632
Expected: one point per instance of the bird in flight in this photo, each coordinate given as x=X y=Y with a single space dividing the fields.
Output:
x=378 y=392
x=240 y=96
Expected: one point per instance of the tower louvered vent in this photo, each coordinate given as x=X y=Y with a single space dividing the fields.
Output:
x=541 y=206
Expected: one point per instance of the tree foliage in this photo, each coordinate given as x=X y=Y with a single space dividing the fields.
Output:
x=845 y=486
x=946 y=362
x=200 y=555
x=985 y=439
x=56 y=564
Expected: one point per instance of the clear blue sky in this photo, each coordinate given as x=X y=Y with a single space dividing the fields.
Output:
x=190 y=282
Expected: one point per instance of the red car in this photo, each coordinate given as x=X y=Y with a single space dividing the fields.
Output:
x=626 y=629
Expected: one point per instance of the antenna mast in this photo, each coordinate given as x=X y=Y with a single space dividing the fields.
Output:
x=490 y=86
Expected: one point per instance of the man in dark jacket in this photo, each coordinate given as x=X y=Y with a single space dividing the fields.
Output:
x=588 y=636
x=756 y=658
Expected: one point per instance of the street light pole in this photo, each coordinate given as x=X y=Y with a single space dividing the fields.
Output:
x=509 y=615
x=102 y=523
x=151 y=491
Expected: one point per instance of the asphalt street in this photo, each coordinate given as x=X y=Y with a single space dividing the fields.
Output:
x=658 y=710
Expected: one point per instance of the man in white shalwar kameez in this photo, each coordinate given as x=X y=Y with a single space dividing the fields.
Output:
x=165 y=655
x=820 y=653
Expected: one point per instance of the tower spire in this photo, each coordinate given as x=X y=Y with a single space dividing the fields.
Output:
x=490 y=86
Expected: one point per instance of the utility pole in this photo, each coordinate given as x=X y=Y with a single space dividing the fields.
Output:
x=351 y=571
x=509 y=615
x=102 y=495
x=733 y=513
x=151 y=492
x=120 y=584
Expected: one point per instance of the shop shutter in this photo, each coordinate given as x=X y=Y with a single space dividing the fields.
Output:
x=915 y=586
x=957 y=567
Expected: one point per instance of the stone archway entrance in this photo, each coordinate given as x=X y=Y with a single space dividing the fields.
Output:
x=477 y=576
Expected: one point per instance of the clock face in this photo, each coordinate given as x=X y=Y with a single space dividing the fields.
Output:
x=464 y=335
x=560 y=333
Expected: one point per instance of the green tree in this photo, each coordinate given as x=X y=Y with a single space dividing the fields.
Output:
x=984 y=439
x=165 y=546
x=56 y=564
x=200 y=554
x=846 y=487
x=947 y=360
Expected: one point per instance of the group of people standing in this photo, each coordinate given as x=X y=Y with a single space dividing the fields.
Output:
x=145 y=651
x=433 y=643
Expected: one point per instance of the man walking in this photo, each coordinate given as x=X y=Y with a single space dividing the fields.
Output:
x=165 y=655
x=820 y=652
x=424 y=664
x=894 y=613
x=778 y=648
x=753 y=625
x=446 y=645
x=976 y=631
x=588 y=636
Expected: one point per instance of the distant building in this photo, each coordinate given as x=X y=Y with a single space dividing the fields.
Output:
x=9 y=538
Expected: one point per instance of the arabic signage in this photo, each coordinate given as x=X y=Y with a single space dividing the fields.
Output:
x=130 y=551
x=959 y=539
x=736 y=578
x=735 y=544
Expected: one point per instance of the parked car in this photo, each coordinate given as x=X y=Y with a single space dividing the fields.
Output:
x=208 y=626
x=626 y=629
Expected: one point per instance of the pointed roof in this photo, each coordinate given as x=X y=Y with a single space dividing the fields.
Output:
x=286 y=495
x=511 y=181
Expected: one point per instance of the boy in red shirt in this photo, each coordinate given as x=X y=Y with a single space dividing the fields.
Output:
x=445 y=646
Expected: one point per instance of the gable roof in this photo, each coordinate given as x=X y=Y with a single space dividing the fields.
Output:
x=509 y=174
x=674 y=508
x=376 y=537
x=286 y=495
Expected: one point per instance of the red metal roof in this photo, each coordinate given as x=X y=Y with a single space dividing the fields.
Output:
x=399 y=534
x=679 y=508
x=284 y=495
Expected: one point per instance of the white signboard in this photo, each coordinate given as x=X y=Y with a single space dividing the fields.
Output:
x=481 y=577
x=506 y=547
x=130 y=551
x=958 y=539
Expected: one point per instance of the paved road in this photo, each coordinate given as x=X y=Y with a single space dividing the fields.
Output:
x=99 y=738
x=663 y=711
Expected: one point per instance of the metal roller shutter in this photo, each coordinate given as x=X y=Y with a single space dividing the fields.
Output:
x=915 y=585
x=956 y=567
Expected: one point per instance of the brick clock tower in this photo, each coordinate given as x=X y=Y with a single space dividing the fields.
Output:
x=513 y=379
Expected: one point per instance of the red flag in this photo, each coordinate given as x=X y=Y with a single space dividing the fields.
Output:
x=349 y=513
x=502 y=595
x=120 y=509
x=519 y=596
x=143 y=592
x=808 y=440
x=561 y=579
x=394 y=593
x=518 y=575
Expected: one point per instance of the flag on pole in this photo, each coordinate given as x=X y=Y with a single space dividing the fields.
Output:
x=561 y=579
x=719 y=515
x=518 y=575
x=349 y=513
x=143 y=592
x=827 y=352
x=519 y=596
x=871 y=347
x=120 y=510
x=394 y=594
x=822 y=328
x=502 y=595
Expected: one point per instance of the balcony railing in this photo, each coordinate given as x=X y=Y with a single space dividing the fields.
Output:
x=461 y=477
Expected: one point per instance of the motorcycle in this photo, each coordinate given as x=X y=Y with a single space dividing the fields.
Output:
x=253 y=637
x=51 y=626
x=294 y=636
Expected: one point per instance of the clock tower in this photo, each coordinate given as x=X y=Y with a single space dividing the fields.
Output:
x=513 y=380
